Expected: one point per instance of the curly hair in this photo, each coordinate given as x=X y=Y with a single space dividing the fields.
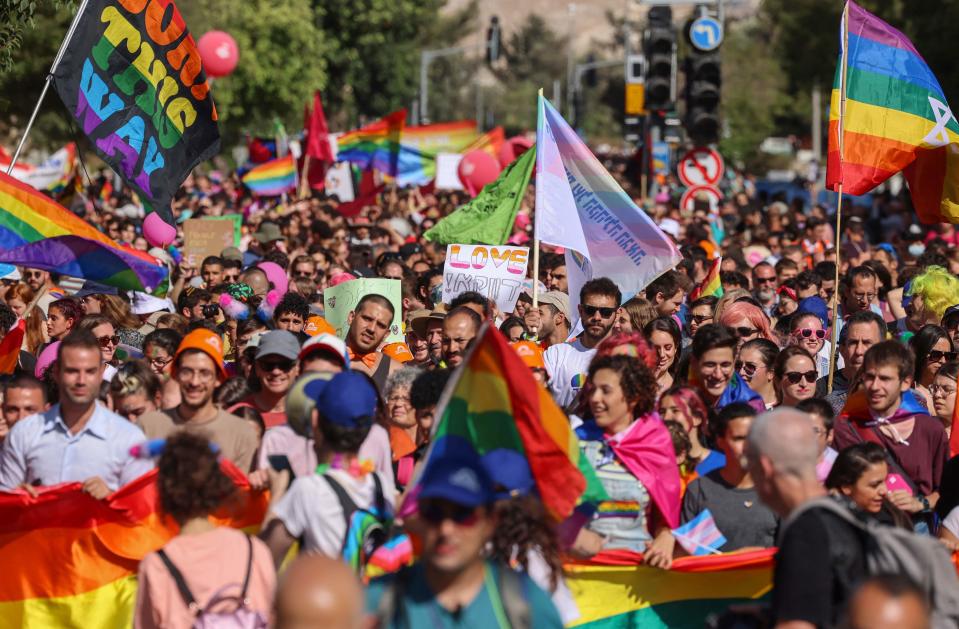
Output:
x=189 y=479
x=628 y=344
x=635 y=378
x=523 y=526
x=938 y=288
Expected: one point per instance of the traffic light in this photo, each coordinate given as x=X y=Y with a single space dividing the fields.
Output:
x=659 y=45
x=493 y=41
x=703 y=83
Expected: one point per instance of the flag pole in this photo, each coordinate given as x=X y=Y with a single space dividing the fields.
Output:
x=46 y=83
x=304 y=179
x=844 y=59
x=536 y=218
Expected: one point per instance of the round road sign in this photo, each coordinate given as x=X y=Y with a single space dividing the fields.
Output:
x=701 y=166
x=712 y=194
x=706 y=33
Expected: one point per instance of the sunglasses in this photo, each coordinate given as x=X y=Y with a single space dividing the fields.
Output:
x=746 y=368
x=605 y=313
x=808 y=332
x=436 y=512
x=766 y=280
x=107 y=341
x=935 y=356
x=282 y=365
x=700 y=319
x=302 y=274
x=795 y=376
x=743 y=332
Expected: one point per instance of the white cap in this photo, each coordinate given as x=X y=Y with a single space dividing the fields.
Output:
x=144 y=303
x=670 y=226
x=327 y=341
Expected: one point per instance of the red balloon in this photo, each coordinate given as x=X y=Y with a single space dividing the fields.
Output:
x=219 y=53
x=513 y=148
x=476 y=169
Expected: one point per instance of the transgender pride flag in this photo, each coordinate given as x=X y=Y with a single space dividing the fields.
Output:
x=700 y=536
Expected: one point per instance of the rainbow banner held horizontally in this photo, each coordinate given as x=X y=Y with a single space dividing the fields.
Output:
x=273 y=178
x=376 y=145
x=419 y=146
x=895 y=118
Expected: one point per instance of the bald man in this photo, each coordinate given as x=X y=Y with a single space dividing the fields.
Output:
x=316 y=591
x=820 y=559
x=888 y=602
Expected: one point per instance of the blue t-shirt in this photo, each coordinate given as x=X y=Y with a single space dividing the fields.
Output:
x=713 y=461
x=418 y=607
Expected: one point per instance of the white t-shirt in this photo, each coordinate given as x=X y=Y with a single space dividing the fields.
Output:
x=951 y=522
x=311 y=512
x=567 y=365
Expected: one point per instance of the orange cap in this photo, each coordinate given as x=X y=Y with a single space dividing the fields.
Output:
x=317 y=325
x=207 y=342
x=531 y=353
x=398 y=351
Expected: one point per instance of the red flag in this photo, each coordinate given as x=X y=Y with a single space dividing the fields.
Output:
x=317 y=133
x=10 y=347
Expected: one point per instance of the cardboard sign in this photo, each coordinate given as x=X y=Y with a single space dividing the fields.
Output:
x=340 y=300
x=237 y=220
x=202 y=238
x=497 y=272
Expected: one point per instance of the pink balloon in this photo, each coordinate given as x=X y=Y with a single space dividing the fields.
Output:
x=45 y=359
x=476 y=169
x=513 y=148
x=274 y=273
x=158 y=233
x=219 y=53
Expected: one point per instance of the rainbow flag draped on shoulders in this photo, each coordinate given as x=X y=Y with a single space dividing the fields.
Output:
x=272 y=178
x=71 y=561
x=376 y=145
x=889 y=114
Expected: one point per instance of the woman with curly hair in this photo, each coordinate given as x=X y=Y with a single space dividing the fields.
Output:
x=632 y=453
x=215 y=563
x=927 y=296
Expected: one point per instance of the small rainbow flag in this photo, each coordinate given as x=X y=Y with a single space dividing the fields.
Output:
x=377 y=145
x=889 y=114
x=710 y=284
x=491 y=141
x=272 y=178
x=76 y=558
x=494 y=403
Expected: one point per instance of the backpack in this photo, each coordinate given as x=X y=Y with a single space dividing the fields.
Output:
x=242 y=617
x=370 y=544
x=891 y=550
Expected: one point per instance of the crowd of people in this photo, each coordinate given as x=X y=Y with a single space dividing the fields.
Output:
x=737 y=405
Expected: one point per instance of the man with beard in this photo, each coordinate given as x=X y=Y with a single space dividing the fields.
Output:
x=567 y=363
x=419 y=345
x=764 y=286
x=198 y=370
x=44 y=289
x=78 y=439
x=430 y=328
x=862 y=330
x=369 y=324
x=460 y=327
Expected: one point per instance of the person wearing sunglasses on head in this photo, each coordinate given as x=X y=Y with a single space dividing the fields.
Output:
x=796 y=375
x=198 y=370
x=932 y=347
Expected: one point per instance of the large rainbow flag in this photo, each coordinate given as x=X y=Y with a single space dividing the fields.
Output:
x=419 y=146
x=493 y=402
x=376 y=145
x=272 y=178
x=71 y=561
x=889 y=114
x=613 y=590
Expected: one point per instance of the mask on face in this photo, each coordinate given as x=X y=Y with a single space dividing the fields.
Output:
x=916 y=249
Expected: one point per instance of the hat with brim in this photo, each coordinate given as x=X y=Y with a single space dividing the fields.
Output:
x=95 y=288
x=268 y=232
x=421 y=324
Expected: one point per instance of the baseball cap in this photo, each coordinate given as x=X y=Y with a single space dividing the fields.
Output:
x=509 y=471
x=95 y=288
x=409 y=249
x=301 y=400
x=670 y=226
x=9 y=272
x=232 y=253
x=328 y=342
x=268 y=232
x=951 y=314
x=349 y=400
x=206 y=341
x=530 y=353
x=279 y=343
x=318 y=325
x=559 y=300
x=398 y=351
x=461 y=479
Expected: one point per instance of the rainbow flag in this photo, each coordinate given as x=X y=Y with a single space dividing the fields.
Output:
x=272 y=178
x=493 y=403
x=10 y=347
x=419 y=146
x=613 y=590
x=491 y=142
x=889 y=114
x=710 y=284
x=377 y=145
x=72 y=560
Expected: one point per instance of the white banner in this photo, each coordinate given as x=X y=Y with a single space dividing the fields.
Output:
x=498 y=273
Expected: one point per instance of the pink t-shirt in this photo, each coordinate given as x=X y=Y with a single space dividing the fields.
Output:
x=211 y=562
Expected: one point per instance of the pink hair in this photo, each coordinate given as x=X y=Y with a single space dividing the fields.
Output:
x=756 y=317
x=689 y=402
x=632 y=344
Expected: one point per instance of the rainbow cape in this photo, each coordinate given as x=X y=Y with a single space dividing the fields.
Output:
x=72 y=560
x=272 y=178
x=493 y=403
x=895 y=118
x=377 y=145
x=613 y=589
x=710 y=284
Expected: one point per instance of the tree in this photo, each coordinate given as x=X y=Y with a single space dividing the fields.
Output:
x=453 y=80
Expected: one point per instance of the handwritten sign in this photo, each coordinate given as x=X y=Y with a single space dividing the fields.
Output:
x=203 y=237
x=495 y=272
x=340 y=300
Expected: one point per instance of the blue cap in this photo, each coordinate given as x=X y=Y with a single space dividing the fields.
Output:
x=815 y=305
x=461 y=480
x=509 y=471
x=349 y=400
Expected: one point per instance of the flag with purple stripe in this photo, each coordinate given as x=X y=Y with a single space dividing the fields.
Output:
x=700 y=536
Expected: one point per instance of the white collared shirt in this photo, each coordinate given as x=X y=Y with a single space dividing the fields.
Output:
x=41 y=451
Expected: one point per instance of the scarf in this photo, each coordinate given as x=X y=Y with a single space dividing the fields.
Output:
x=856 y=409
x=367 y=359
x=646 y=450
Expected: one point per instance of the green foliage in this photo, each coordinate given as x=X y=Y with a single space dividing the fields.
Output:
x=453 y=79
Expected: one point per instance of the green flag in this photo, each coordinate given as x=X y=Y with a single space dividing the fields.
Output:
x=488 y=219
